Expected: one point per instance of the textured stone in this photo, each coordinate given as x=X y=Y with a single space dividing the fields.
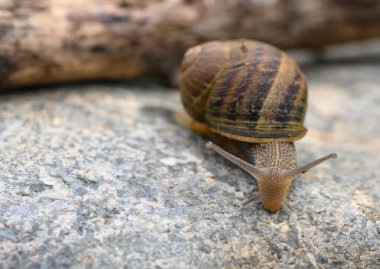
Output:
x=101 y=176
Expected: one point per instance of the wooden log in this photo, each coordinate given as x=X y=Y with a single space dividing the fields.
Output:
x=50 y=41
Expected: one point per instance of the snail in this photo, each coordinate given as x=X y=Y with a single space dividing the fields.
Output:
x=250 y=96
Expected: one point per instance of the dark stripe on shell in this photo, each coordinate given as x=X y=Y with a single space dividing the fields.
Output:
x=200 y=77
x=263 y=89
x=287 y=105
x=245 y=83
x=227 y=79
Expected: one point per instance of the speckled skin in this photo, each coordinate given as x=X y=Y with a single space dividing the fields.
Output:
x=276 y=170
x=277 y=158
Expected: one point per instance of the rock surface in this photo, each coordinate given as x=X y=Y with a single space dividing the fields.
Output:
x=101 y=176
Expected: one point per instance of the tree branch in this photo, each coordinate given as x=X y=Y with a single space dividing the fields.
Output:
x=50 y=41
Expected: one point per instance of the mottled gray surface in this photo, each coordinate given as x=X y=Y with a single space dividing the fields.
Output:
x=100 y=176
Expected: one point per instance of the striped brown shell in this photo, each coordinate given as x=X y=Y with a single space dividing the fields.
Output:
x=246 y=90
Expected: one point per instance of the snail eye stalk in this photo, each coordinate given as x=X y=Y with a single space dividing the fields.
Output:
x=246 y=166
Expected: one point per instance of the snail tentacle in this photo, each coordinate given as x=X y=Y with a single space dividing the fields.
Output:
x=253 y=200
x=259 y=174
x=291 y=174
x=288 y=206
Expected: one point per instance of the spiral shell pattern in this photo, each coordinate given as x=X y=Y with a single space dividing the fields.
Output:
x=245 y=90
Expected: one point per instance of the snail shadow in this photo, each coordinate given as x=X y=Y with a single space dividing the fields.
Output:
x=141 y=82
x=221 y=169
x=155 y=111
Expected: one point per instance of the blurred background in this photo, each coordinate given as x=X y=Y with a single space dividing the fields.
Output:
x=54 y=41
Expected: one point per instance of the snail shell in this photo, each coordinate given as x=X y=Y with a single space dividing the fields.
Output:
x=245 y=90
x=251 y=95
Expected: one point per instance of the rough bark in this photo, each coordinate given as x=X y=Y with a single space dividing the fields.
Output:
x=49 y=41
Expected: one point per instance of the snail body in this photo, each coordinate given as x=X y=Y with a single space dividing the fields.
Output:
x=251 y=94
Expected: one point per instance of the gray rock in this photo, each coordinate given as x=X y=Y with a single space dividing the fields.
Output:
x=101 y=176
